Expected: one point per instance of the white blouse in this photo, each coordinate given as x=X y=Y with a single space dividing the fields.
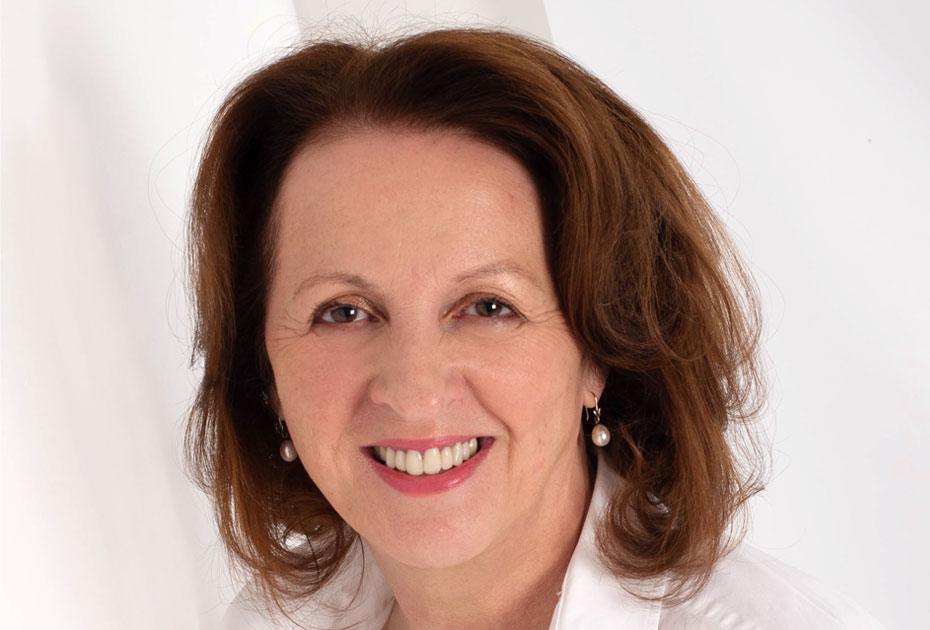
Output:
x=749 y=590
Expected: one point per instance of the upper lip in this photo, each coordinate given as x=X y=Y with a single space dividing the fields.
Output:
x=423 y=444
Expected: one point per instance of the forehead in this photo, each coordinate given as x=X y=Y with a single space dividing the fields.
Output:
x=425 y=199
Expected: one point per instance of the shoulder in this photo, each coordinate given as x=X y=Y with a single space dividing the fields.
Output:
x=356 y=597
x=342 y=606
x=250 y=610
x=752 y=590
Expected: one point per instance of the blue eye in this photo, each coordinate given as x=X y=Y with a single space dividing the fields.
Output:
x=343 y=314
x=489 y=308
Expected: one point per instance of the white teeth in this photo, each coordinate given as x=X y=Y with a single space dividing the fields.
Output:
x=414 y=463
x=432 y=461
x=429 y=462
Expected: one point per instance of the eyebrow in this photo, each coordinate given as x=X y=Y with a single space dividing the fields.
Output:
x=334 y=277
x=498 y=268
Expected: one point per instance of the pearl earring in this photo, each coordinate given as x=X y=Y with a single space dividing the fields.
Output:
x=288 y=452
x=600 y=434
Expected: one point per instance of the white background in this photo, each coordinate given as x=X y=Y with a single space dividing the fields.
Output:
x=804 y=121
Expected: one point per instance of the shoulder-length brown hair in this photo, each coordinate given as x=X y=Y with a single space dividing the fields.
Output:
x=648 y=282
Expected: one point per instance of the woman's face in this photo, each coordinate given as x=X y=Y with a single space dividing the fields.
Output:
x=411 y=309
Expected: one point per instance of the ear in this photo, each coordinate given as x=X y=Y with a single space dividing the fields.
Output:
x=594 y=378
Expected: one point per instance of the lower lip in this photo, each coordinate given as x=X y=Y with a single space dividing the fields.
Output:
x=420 y=485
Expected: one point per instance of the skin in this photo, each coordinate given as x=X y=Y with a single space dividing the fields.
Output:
x=435 y=240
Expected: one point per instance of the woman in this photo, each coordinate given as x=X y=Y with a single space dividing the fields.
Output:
x=476 y=353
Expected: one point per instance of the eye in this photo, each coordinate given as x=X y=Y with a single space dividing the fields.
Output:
x=341 y=314
x=489 y=307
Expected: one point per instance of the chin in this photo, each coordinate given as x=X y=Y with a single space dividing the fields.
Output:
x=435 y=542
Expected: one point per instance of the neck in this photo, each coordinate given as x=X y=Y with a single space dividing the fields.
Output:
x=515 y=583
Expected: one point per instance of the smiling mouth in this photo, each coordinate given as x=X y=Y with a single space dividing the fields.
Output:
x=432 y=461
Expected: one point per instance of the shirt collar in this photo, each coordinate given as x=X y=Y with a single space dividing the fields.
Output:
x=591 y=597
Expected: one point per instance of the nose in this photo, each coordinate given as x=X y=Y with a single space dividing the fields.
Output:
x=414 y=376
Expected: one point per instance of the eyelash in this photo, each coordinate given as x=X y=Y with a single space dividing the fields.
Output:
x=328 y=307
x=494 y=300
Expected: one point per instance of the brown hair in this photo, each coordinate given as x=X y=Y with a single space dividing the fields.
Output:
x=646 y=277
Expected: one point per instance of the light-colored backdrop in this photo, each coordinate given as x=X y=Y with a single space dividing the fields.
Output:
x=804 y=121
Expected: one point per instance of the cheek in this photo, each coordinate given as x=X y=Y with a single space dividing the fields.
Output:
x=317 y=385
x=532 y=383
